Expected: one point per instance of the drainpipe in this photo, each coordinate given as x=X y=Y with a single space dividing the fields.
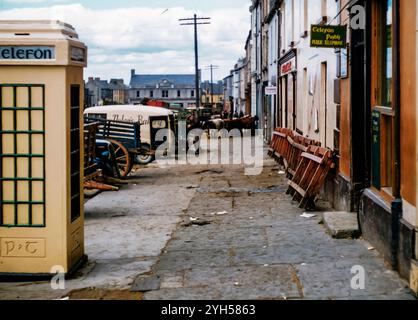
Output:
x=397 y=203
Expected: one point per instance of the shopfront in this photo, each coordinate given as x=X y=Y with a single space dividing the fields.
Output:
x=287 y=114
x=384 y=135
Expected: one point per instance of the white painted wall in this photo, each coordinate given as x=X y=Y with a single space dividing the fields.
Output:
x=272 y=65
x=256 y=58
x=314 y=113
x=253 y=62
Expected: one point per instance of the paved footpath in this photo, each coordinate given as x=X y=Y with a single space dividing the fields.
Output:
x=261 y=248
x=213 y=233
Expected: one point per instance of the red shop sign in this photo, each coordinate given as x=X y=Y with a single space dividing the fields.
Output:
x=288 y=67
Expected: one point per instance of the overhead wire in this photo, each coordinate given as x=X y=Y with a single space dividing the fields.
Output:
x=342 y=9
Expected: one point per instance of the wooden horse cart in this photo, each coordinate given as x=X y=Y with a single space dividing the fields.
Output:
x=125 y=138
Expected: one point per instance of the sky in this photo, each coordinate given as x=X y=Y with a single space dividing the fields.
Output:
x=146 y=35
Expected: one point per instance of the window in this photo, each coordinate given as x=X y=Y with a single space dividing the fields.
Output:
x=151 y=94
x=138 y=94
x=22 y=155
x=159 y=124
x=76 y=180
x=178 y=93
x=383 y=112
x=305 y=16
x=386 y=53
x=192 y=93
x=97 y=116
x=165 y=93
x=324 y=8
x=289 y=23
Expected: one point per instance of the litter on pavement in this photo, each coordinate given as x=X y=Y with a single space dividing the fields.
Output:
x=308 y=215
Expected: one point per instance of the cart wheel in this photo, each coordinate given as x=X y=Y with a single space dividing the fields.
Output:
x=123 y=158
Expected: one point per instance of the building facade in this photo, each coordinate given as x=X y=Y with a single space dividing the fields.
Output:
x=360 y=101
x=228 y=87
x=247 y=74
x=382 y=162
x=239 y=87
x=175 y=89
x=212 y=94
x=256 y=60
x=101 y=92
x=272 y=22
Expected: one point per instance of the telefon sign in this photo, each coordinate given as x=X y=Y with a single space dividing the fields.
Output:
x=328 y=36
x=27 y=53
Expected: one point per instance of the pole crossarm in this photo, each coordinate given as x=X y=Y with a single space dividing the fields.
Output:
x=192 y=19
x=192 y=24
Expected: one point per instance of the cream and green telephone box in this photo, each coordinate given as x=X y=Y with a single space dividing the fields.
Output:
x=41 y=147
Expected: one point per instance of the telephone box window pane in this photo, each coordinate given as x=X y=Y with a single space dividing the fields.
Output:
x=8 y=214
x=23 y=143
x=7 y=120
x=37 y=191
x=37 y=214
x=22 y=100
x=22 y=120
x=23 y=210
x=8 y=191
x=7 y=97
x=37 y=120
x=37 y=144
x=23 y=167
x=9 y=167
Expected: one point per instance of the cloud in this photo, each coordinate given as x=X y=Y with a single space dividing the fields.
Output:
x=147 y=40
x=33 y=1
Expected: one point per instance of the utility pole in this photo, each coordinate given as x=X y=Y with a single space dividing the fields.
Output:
x=211 y=68
x=195 y=23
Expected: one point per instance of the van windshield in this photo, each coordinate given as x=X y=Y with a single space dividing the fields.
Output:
x=97 y=116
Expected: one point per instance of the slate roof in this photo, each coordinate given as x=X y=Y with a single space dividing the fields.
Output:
x=138 y=80
x=217 y=87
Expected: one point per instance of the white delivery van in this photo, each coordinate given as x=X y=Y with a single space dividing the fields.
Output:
x=151 y=119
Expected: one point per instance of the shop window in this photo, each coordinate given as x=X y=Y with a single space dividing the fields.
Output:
x=386 y=52
x=383 y=111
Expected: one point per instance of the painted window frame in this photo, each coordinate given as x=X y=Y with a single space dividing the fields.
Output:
x=383 y=99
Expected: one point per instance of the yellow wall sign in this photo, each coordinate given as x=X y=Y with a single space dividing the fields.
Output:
x=328 y=36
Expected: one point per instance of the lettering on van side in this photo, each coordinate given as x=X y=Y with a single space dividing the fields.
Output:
x=140 y=119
